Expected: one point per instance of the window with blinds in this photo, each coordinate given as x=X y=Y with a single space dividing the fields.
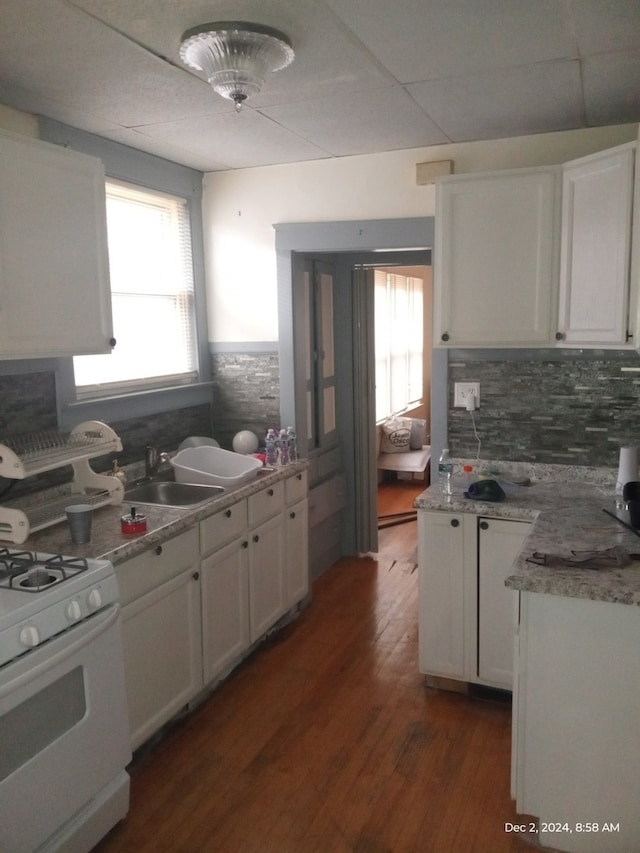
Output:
x=399 y=331
x=152 y=296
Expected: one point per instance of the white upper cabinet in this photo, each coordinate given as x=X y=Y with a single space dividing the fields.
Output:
x=55 y=297
x=495 y=260
x=597 y=196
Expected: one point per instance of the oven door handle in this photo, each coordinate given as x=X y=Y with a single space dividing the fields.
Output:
x=88 y=636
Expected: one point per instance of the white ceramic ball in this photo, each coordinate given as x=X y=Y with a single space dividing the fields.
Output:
x=245 y=442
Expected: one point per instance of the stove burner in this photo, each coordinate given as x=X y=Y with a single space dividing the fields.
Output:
x=32 y=572
x=37 y=579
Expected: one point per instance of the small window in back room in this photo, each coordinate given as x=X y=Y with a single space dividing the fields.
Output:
x=399 y=330
x=152 y=296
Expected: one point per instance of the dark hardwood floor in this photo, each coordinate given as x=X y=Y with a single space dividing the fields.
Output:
x=328 y=741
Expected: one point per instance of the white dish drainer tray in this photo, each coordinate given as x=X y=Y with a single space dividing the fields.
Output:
x=36 y=453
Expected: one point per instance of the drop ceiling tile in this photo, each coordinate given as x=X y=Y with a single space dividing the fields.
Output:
x=238 y=140
x=418 y=40
x=533 y=99
x=606 y=26
x=164 y=149
x=328 y=58
x=21 y=99
x=612 y=88
x=360 y=122
x=95 y=70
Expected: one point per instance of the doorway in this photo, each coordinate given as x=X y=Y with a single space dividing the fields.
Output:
x=403 y=343
x=407 y=241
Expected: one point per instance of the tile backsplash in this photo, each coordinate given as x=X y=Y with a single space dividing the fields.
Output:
x=29 y=405
x=246 y=391
x=570 y=407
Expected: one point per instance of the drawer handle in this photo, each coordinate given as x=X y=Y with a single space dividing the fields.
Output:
x=292 y=515
x=299 y=476
x=159 y=550
x=196 y=576
x=245 y=544
x=455 y=522
x=270 y=493
x=228 y=513
x=484 y=525
x=256 y=538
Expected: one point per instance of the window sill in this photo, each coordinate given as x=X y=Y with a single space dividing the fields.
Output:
x=135 y=405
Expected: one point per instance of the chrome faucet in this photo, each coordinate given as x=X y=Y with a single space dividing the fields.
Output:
x=153 y=460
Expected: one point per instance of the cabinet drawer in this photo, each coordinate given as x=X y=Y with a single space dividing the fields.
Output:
x=266 y=503
x=223 y=527
x=160 y=563
x=295 y=488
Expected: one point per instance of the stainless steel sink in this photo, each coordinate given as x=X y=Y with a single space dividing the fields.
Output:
x=170 y=493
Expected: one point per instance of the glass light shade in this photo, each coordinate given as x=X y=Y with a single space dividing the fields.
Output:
x=235 y=56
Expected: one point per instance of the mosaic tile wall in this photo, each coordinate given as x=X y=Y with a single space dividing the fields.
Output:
x=566 y=407
x=246 y=393
x=28 y=404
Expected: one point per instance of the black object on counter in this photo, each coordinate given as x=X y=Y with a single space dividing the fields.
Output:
x=485 y=490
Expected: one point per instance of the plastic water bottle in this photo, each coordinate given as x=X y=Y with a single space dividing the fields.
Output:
x=293 y=444
x=271 y=448
x=283 y=445
x=445 y=472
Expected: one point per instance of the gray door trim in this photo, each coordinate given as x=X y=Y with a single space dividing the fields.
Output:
x=359 y=237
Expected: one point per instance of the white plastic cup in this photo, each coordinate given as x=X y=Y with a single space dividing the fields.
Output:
x=79 y=518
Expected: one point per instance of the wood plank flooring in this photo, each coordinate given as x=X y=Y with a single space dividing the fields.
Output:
x=328 y=741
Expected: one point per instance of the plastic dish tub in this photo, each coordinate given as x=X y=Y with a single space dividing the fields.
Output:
x=213 y=466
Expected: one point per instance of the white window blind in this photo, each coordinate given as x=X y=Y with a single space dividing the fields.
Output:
x=399 y=331
x=152 y=294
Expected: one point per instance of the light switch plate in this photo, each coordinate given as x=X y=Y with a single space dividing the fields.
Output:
x=461 y=392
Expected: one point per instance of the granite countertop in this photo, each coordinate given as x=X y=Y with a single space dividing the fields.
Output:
x=567 y=515
x=108 y=542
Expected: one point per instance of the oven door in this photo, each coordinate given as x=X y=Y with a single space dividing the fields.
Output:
x=64 y=734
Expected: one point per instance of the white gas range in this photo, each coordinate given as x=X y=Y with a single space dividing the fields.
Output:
x=64 y=731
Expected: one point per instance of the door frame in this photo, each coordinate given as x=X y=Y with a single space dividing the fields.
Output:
x=365 y=241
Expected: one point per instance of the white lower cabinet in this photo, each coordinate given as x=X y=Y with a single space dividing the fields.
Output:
x=225 y=615
x=466 y=613
x=266 y=576
x=255 y=568
x=576 y=726
x=194 y=605
x=160 y=594
x=499 y=543
x=296 y=536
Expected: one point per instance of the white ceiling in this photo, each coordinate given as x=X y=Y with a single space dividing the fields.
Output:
x=369 y=75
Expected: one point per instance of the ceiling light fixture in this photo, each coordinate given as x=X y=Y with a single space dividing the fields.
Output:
x=235 y=56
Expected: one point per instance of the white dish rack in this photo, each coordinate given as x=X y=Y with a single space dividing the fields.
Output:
x=36 y=453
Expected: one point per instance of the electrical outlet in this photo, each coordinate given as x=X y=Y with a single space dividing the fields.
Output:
x=462 y=391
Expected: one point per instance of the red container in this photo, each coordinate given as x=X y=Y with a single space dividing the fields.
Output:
x=133 y=523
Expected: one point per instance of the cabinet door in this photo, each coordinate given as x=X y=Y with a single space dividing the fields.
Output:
x=499 y=544
x=162 y=653
x=495 y=259
x=225 y=608
x=441 y=561
x=55 y=296
x=596 y=237
x=266 y=576
x=296 y=533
